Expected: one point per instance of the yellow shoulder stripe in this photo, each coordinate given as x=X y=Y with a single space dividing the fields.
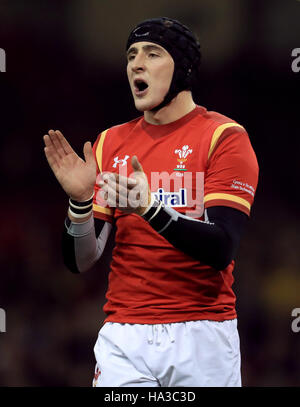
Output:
x=99 y=149
x=227 y=197
x=217 y=134
x=98 y=208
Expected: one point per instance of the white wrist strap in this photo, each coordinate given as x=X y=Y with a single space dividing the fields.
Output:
x=79 y=216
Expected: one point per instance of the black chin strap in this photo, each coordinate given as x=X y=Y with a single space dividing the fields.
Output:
x=170 y=95
x=168 y=98
x=181 y=80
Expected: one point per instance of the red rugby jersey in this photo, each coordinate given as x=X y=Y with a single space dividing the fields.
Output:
x=150 y=281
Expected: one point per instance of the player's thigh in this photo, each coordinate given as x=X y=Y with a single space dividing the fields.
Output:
x=210 y=355
x=113 y=367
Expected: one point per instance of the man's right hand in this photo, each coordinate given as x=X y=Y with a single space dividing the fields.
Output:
x=76 y=176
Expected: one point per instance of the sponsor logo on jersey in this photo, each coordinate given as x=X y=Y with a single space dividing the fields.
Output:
x=174 y=199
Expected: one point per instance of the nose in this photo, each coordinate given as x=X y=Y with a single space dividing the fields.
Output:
x=138 y=64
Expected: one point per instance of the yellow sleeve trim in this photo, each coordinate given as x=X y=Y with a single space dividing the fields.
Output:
x=98 y=208
x=227 y=197
x=100 y=149
x=217 y=134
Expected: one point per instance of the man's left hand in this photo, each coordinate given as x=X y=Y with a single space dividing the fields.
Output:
x=130 y=195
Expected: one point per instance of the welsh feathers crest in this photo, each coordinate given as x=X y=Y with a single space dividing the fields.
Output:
x=183 y=153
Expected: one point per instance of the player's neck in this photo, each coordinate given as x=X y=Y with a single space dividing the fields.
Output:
x=181 y=105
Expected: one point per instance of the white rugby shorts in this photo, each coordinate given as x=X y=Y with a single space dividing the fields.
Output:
x=188 y=354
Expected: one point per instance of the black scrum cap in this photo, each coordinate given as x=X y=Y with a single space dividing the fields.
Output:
x=181 y=44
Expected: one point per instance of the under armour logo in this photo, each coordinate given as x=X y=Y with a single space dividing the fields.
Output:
x=122 y=161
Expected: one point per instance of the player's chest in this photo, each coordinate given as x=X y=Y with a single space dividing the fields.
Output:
x=174 y=154
x=175 y=166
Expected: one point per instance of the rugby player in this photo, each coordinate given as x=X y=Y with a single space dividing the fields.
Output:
x=174 y=189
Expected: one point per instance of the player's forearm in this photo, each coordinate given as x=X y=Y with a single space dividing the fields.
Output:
x=80 y=246
x=213 y=242
x=203 y=241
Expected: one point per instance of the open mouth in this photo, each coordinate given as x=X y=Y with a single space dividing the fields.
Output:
x=140 y=85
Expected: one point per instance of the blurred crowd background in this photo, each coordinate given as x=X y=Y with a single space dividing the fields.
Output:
x=66 y=70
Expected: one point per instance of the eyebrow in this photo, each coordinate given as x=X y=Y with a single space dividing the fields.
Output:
x=145 y=48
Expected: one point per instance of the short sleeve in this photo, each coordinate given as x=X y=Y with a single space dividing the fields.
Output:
x=232 y=172
x=100 y=209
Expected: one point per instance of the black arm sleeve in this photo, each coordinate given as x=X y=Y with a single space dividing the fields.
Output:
x=213 y=242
